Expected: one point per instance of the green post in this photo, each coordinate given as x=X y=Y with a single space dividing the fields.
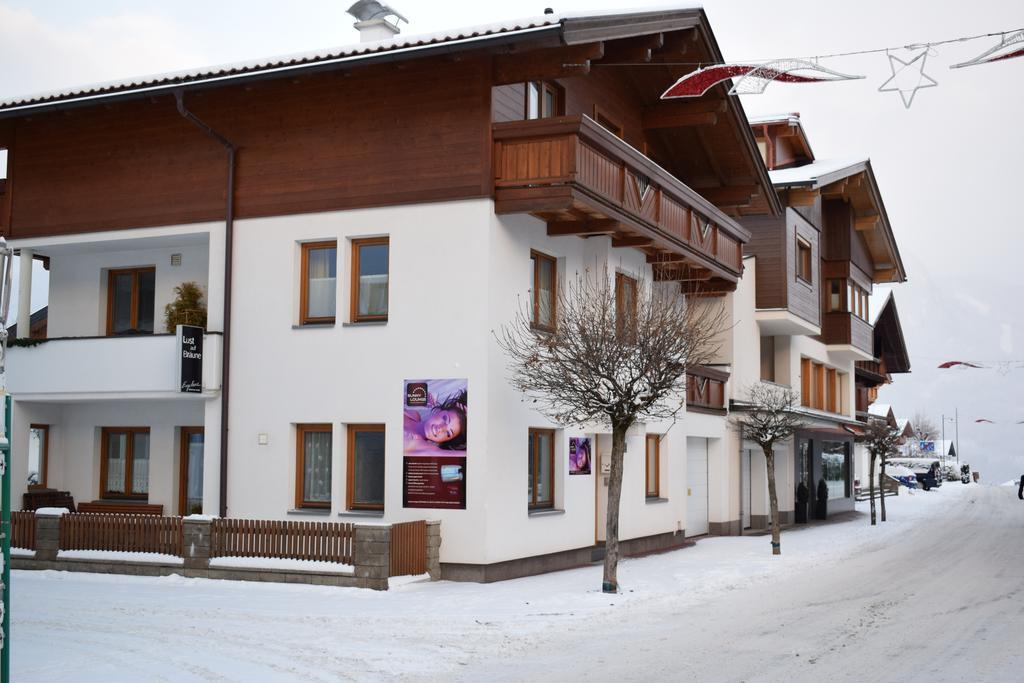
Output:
x=5 y=533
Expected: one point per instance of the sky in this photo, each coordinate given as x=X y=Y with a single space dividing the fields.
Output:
x=949 y=167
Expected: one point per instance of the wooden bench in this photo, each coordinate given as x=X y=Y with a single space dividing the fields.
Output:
x=116 y=507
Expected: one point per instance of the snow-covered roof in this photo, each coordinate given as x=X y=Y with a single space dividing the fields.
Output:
x=901 y=423
x=818 y=173
x=791 y=119
x=879 y=409
x=322 y=57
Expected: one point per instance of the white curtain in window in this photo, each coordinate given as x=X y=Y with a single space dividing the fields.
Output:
x=317 y=475
x=195 y=472
x=323 y=290
x=373 y=294
x=140 y=464
x=117 y=449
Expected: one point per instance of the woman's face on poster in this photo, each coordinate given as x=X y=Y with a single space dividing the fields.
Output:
x=442 y=425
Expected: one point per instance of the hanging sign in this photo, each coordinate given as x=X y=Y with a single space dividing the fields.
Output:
x=434 y=443
x=190 y=359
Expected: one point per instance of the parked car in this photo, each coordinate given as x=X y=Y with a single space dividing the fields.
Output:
x=926 y=470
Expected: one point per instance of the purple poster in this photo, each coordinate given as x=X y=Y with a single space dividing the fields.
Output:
x=434 y=443
x=579 y=455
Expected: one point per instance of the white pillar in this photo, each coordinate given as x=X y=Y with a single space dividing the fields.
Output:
x=25 y=295
x=211 y=457
x=215 y=280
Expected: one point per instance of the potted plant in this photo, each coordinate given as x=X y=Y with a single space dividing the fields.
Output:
x=188 y=307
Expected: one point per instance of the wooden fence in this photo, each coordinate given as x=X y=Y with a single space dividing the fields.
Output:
x=125 y=533
x=408 y=548
x=321 y=541
x=23 y=529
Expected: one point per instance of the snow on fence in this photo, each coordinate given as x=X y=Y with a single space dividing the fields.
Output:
x=122 y=533
x=320 y=541
x=408 y=548
x=23 y=529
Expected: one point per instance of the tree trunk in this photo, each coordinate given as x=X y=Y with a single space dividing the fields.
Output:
x=773 y=501
x=871 y=488
x=882 y=478
x=610 y=583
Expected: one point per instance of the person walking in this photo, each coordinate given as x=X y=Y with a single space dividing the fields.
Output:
x=1020 y=491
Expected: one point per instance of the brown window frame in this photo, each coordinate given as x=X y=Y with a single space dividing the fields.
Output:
x=767 y=353
x=350 y=468
x=621 y=281
x=44 y=457
x=535 y=323
x=300 y=463
x=183 y=434
x=804 y=261
x=304 y=317
x=656 y=491
x=354 y=284
x=557 y=93
x=607 y=122
x=831 y=389
x=134 y=313
x=806 y=372
x=129 y=461
x=535 y=433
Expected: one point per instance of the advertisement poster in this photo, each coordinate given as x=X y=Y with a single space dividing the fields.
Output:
x=579 y=455
x=434 y=443
x=927 y=446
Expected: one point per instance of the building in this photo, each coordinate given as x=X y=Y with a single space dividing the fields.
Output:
x=359 y=221
x=816 y=266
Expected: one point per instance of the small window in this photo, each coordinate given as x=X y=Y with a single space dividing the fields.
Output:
x=804 y=269
x=541 y=465
x=124 y=469
x=370 y=279
x=545 y=274
x=653 y=465
x=190 y=494
x=366 y=467
x=38 y=452
x=544 y=100
x=625 y=304
x=835 y=295
x=768 y=359
x=130 y=293
x=319 y=282
x=313 y=466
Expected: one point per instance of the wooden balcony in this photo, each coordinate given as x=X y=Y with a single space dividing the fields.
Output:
x=583 y=180
x=840 y=328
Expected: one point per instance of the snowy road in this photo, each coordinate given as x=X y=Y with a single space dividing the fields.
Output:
x=937 y=593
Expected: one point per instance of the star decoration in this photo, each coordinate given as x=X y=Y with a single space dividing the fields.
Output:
x=908 y=77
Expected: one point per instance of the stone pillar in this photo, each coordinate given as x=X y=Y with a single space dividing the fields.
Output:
x=372 y=555
x=434 y=550
x=48 y=533
x=195 y=546
x=24 y=330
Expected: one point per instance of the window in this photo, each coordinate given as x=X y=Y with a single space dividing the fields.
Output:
x=319 y=282
x=370 y=279
x=831 y=390
x=602 y=117
x=38 y=452
x=130 y=294
x=625 y=304
x=768 y=359
x=124 y=468
x=366 y=467
x=835 y=295
x=652 y=466
x=313 y=466
x=835 y=468
x=804 y=269
x=544 y=100
x=820 y=386
x=541 y=490
x=545 y=271
x=190 y=497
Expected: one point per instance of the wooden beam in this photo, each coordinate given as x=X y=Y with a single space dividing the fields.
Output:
x=716 y=287
x=802 y=197
x=703 y=112
x=632 y=241
x=573 y=60
x=867 y=222
x=681 y=274
x=836 y=189
x=666 y=257
x=631 y=50
x=590 y=227
x=730 y=195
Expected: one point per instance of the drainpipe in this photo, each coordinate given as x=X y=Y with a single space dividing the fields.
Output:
x=229 y=229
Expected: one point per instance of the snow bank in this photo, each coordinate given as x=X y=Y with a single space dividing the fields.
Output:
x=119 y=556
x=278 y=563
x=52 y=512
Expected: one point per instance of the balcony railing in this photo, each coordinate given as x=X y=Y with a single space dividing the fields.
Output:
x=841 y=328
x=705 y=390
x=137 y=365
x=572 y=169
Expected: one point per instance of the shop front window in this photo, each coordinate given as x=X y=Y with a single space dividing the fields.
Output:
x=835 y=468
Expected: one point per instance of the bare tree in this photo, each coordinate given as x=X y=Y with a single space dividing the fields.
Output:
x=600 y=367
x=924 y=426
x=881 y=440
x=766 y=417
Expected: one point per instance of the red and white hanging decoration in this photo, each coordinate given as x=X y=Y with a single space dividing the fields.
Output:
x=1010 y=45
x=753 y=79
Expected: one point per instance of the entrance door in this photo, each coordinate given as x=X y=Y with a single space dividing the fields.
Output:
x=745 y=486
x=697 y=486
x=190 y=500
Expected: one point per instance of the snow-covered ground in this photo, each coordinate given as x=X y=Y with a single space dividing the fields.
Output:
x=935 y=593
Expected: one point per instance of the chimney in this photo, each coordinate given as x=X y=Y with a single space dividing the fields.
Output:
x=376 y=22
